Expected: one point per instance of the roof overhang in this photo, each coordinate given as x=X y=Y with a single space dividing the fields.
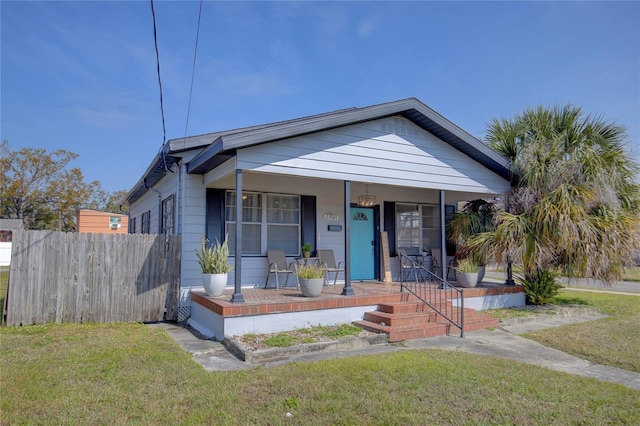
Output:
x=216 y=148
x=160 y=166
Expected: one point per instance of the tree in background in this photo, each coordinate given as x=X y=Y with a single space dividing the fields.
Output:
x=38 y=187
x=574 y=202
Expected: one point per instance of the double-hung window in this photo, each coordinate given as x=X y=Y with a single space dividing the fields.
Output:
x=269 y=221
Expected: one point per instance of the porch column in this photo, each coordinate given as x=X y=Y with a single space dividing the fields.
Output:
x=443 y=239
x=347 y=290
x=509 y=280
x=237 y=294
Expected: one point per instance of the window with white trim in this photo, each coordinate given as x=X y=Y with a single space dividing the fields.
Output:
x=269 y=221
x=167 y=215
x=417 y=227
x=146 y=222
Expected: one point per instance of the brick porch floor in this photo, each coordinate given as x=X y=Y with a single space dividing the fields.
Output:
x=265 y=301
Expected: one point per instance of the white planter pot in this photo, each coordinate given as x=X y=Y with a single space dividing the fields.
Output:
x=311 y=287
x=214 y=284
x=467 y=279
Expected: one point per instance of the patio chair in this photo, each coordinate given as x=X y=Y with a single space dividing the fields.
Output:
x=406 y=266
x=436 y=264
x=278 y=266
x=328 y=262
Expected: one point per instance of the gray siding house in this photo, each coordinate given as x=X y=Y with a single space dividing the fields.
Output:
x=299 y=181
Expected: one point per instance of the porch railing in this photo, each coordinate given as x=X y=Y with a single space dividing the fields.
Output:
x=435 y=292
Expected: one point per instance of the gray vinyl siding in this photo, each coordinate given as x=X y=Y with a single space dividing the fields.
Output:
x=391 y=151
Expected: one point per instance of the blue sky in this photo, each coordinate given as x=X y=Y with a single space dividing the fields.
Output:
x=82 y=75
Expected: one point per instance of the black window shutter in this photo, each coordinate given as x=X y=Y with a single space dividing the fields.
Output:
x=390 y=225
x=215 y=215
x=308 y=220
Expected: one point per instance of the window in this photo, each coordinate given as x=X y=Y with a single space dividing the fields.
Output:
x=132 y=225
x=269 y=221
x=167 y=216
x=417 y=227
x=146 y=219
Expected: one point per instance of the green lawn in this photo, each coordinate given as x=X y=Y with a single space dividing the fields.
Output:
x=132 y=374
x=612 y=341
x=633 y=274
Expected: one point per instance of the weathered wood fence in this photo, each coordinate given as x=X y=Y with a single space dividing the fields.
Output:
x=69 y=277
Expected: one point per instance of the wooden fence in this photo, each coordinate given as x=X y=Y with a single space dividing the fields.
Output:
x=69 y=277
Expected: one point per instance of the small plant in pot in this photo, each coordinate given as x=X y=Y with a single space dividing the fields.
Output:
x=311 y=279
x=467 y=272
x=214 y=264
x=306 y=250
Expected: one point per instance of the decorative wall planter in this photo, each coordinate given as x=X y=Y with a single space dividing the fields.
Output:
x=467 y=279
x=311 y=287
x=214 y=284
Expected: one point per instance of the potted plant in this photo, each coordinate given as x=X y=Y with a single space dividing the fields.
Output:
x=311 y=279
x=215 y=269
x=467 y=272
x=306 y=250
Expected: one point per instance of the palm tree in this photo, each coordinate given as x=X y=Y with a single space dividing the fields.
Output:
x=574 y=202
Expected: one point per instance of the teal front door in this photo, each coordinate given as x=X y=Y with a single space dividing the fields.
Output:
x=362 y=244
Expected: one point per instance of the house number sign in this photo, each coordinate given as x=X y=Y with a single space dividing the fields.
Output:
x=331 y=216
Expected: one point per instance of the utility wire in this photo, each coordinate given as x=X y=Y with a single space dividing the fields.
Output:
x=155 y=39
x=193 y=72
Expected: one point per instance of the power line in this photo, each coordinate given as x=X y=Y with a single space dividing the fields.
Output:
x=155 y=39
x=193 y=72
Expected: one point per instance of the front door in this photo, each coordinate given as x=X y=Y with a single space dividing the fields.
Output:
x=362 y=244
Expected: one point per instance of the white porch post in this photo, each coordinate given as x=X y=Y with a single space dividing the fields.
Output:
x=237 y=294
x=347 y=290
x=443 y=239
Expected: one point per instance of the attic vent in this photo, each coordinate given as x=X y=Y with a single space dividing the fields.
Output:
x=400 y=127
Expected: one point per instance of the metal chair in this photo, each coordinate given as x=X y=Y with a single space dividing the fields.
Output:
x=436 y=264
x=406 y=266
x=278 y=265
x=328 y=263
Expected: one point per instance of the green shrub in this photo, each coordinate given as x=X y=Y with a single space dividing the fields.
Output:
x=467 y=265
x=213 y=259
x=310 y=271
x=540 y=287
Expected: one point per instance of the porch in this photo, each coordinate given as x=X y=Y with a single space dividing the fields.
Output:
x=271 y=310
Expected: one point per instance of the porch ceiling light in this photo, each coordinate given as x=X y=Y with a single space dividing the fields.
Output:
x=366 y=200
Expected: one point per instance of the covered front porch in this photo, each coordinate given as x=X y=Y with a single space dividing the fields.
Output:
x=271 y=310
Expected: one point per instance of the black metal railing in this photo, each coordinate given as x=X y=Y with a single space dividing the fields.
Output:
x=435 y=292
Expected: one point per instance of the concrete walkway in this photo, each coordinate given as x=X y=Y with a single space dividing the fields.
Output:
x=503 y=343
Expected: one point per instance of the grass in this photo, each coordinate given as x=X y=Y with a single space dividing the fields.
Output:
x=300 y=336
x=612 y=341
x=4 y=283
x=132 y=374
x=633 y=274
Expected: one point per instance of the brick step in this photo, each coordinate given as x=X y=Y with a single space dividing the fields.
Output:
x=398 y=320
x=398 y=334
x=480 y=322
x=410 y=307
x=409 y=320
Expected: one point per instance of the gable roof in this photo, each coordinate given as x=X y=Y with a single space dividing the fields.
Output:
x=220 y=146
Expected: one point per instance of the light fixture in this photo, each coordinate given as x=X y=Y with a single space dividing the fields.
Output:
x=366 y=200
